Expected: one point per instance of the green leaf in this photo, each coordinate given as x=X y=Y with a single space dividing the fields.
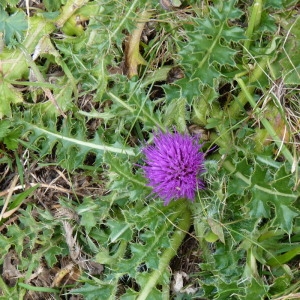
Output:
x=225 y=289
x=21 y=197
x=256 y=290
x=271 y=192
x=50 y=255
x=285 y=215
x=4 y=128
x=53 y=5
x=11 y=140
x=93 y=292
x=123 y=179
x=229 y=34
x=209 y=46
x=12 y=26
x=207 y=73
x=182 y=88
x=87 y=210
x=139 y=250
x=129 y=295
x=284 y=258
x=12 y=3
x=260 y=204
x=119 y=230
x=176 y=114
x=238 y=185
x=5 y=244
x=280 y=4
x=8 y=96
x=226 y=11
x=265 y=195
x=16 y=237
x=280 y=284
x=71 y=141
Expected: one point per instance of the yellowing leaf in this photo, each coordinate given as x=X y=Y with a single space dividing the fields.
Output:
x=217 y=229
x=133 y=58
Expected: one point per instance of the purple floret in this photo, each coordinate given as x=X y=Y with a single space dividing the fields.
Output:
x=173 y=165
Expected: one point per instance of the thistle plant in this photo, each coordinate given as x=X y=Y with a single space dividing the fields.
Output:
x=85 y=212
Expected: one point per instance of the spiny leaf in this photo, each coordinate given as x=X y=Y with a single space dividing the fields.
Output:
x=9 y=134
x=12 y=3
x=12 y=26
x=136 y=107
x=91 y=212
x=8 y=96
x=53 y=5
x=51 y=253
x=182 y=88
x=119 y=230
x=256 y=289
x=176 y=113
x=269 y=189
x=92 y=290
x=153 y=238
x=122 y=179
x=71 y=141
x=209 y=43
x=226 y=11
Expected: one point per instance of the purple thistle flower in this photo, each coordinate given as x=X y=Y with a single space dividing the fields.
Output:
x=173 y=165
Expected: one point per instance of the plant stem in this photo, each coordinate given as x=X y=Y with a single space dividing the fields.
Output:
x=240 y=101
x=255 y=17
x=68 y=10
x=230 y=167
x=169 y=253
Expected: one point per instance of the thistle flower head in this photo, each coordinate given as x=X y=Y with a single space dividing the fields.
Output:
x=173 y=165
